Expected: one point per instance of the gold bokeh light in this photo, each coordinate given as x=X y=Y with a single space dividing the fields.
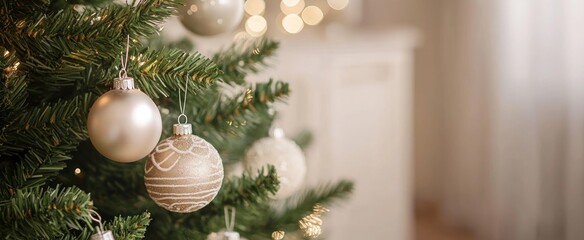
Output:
x=292 y=23
x=295 y=9
x=290 y=3
x=255 y=7
x=256 y=25
x=312 y=15
x=338 y=4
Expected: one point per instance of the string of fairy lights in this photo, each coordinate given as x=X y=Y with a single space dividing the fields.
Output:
x=294 y=15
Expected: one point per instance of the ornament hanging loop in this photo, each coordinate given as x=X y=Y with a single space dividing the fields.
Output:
x=96 y=218
x=101 y=233
x=182 y=115
x=182 y=103
x=124 y=61
x=123 y=73
x=277 y=132
x=123 y=82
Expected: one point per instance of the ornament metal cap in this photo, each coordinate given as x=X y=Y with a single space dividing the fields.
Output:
x=182 y=129
x=277 y=132
x=124 y=83
x=107 y=235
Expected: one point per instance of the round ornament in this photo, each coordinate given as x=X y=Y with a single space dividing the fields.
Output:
x=107 y=235
x=184 y=172
x=101 y=233
x=211 y=17
x=286 y=157
x=124 y=124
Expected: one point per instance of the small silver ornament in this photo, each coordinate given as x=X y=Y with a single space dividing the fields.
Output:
x=224 y=235
x=101 y=233
x=285 y=155
x=211 y=17
x=124 y=124
x=107 y=235
x=228 y=234
x=231 y=235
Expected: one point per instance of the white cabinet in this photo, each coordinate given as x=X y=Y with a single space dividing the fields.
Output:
x=355 y=95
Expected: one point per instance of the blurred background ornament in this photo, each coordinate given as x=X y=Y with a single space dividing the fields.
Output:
x=284 y=154
x=211 y=17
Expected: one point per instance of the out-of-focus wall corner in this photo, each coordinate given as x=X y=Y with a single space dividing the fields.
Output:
x=428 y=115
x=424 y=16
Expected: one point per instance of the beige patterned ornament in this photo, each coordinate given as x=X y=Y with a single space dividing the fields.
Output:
x=184 y=172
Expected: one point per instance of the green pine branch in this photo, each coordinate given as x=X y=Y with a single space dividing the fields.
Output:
x=162 y=73
x=227 y=112
x=247 y=190
x=73 y=42
x=129 y=228
x=42 y=138
x=12 y=91
x=60 y=213
x=300 y=205
x=45 y=214
x=159 y=73
x=266 y=218
x=243 y=58
x=113 y=21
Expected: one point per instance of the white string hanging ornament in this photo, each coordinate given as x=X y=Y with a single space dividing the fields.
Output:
x=124 y=124
x=229 y=233
x=101 y=233
x=184 y=172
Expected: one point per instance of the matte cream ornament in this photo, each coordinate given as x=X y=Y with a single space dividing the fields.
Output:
x=284 y=155
x=124 y=124
x=184 y=172
x=211 y=17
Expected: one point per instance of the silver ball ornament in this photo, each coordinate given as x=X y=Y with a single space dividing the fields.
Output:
x=285 y=156
x=184 y=172
x=211 y=17
x=107 y=235
x=124 y=124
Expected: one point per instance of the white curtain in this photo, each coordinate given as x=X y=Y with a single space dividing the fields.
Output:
x=512 y=74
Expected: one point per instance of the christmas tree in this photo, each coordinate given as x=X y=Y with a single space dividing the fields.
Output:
x=58 y=56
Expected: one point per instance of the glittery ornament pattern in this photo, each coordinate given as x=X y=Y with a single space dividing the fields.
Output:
x=311 y=224
x=184 y=173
